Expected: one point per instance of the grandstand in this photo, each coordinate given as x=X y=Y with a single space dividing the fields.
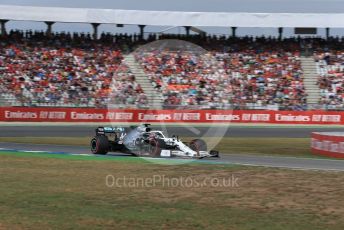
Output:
x=84 y=70
x=330 y=70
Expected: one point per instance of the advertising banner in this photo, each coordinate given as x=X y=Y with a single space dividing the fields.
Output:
x=25 y=114
x=328 y=144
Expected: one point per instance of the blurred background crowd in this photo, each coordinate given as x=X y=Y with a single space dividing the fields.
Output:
x=74 y=70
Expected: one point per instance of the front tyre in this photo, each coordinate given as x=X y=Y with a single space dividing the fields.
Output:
x=100 y=145
x=198 y=145
x=155 y=147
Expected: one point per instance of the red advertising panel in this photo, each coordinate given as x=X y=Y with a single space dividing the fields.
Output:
x=328 y=144
x=23 y=114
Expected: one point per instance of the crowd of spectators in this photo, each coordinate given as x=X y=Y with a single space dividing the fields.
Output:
x=329 y=57
x=330 y=67
x=248 y=73
x=64 y=69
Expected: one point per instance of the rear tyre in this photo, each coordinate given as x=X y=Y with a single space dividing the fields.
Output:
x=100 y=145
x=156 y=145
x=198 y=145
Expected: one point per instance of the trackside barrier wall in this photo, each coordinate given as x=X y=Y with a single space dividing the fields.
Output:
x=25 y=114
x=328 y=144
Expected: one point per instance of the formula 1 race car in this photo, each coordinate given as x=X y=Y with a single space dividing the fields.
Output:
x=143 y=141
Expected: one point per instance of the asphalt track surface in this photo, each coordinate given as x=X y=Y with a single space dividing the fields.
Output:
x=249 y=160
x=231 y=131
x=268 y=161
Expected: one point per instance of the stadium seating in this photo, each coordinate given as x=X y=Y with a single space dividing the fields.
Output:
x=246 y=77
x=74 y=70
x=60 y=71
x=330 y=67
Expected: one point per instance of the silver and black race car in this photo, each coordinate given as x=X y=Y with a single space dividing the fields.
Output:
x=143 y=141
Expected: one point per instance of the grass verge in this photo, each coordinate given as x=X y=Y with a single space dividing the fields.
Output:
x=50 y=193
